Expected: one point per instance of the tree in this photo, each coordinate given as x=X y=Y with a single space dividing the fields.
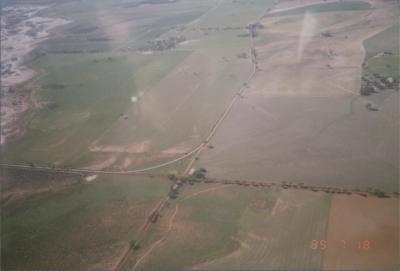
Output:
x=134 y=245
x=172 y=177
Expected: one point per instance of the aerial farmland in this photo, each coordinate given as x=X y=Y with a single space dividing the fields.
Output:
x=200 y=134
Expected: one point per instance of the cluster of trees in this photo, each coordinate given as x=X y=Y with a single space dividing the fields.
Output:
x=99 y=39
x=108 y=59
x=242 y=55
x=149 y=2
x=134 y=245
x=197 y=176
x=254 y=56
x=243 y=35
x=326 y=34
x=253 y=28
x=174 y=191
x=374 y=83
x=377 y=192
x=165 y=44
x=54 y=86
x=225 y=28
x=6 y=69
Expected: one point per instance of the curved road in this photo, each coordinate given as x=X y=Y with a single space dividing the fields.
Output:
x=84 y=170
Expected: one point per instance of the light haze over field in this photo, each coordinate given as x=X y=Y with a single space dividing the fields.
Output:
x=200 y=134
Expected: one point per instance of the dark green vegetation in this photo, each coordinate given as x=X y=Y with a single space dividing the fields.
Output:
x=17 y=184
x=326 y=7
x=77 y=227
x=82 y=95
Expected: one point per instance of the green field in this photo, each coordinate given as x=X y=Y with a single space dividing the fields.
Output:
x=77 y=227
x=107 y=25
x=273 y=237
x=242 y=228
x=385 y=66
x=223 y=26
x=387 y=42
x=323 y=21
x=326 y=7
x=80 y=96
x=234 y=13
x=202 y=229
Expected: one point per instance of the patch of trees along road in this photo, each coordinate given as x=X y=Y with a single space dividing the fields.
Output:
x=199 y=176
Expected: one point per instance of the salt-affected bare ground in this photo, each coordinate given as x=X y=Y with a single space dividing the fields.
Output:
x=21 y=30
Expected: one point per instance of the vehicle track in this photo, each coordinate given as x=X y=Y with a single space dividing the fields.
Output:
x=170 y=227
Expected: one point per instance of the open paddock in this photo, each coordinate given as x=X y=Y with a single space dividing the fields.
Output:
x=76 y=102
x=176 y=115
x=82 y=227
x=223 y=227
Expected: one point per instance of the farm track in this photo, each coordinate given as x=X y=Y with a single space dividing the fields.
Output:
x=129 y=252
x=170 y=227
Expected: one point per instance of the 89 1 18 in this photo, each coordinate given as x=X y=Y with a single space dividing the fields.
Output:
x=323 y=244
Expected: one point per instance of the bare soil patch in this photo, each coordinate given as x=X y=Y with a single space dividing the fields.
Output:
x=102 y=164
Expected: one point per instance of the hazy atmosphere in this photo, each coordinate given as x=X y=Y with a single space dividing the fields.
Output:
x=199 y=135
